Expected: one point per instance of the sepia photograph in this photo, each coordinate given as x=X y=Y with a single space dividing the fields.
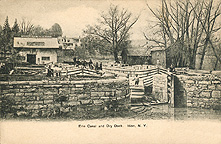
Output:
x=110 y=72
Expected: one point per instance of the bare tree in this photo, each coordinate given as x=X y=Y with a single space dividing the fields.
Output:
x=114 y=27
x=210 y=16
x=26 y=27
x=183 y=27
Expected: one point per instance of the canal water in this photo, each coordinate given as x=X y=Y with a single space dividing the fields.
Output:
x=158 y=112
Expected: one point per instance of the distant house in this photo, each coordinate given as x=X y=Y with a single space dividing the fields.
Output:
x=138 y=55
x=69 y=42
x=142 y=52
x=37 y=50
x=158 y=56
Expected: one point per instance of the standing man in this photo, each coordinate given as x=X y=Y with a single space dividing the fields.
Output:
x=136 y=79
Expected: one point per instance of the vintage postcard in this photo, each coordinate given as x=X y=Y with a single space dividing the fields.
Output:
x=110 y=71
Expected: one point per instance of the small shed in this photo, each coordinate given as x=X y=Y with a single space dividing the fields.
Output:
x=145 y=52
x=158 y=56
x=138 y=56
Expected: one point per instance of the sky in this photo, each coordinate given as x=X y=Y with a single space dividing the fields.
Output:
x=74 y=15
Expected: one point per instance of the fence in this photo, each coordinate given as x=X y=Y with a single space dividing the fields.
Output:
x=146 y=75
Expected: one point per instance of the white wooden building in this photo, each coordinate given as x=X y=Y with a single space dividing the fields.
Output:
x=37 y=50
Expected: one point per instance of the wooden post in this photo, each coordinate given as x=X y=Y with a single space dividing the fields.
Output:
x=172 y=91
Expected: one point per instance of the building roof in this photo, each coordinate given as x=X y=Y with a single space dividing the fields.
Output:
x=20 y=42
x=143 y=51
x=142 y=47
x=138 y=51
x=138 y=48
x=157 y=49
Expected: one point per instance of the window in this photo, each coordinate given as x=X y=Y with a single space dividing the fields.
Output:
x=45 y=58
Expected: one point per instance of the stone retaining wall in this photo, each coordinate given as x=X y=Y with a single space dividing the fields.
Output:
x=198 y=91
x=51 y=98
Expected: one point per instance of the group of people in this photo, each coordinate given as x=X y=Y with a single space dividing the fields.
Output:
x=53 y=70
x=90 y=64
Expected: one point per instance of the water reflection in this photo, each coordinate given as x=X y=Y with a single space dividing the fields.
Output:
x=167 y=112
